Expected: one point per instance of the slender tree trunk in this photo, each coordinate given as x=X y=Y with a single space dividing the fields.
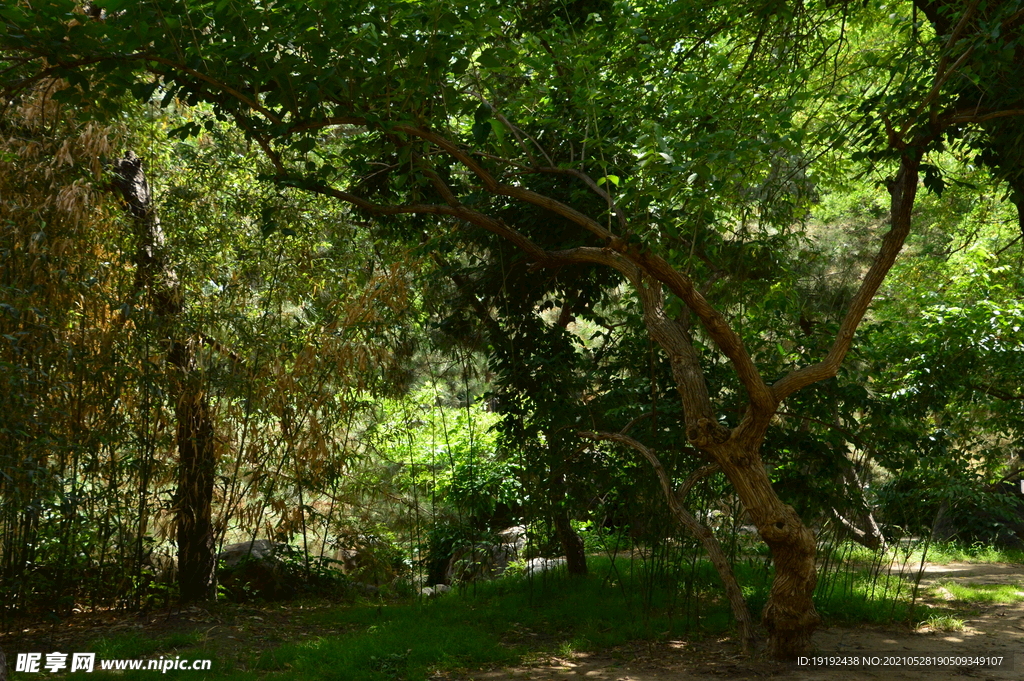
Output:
x=197 y=559
x=572 y=544
x=871 y=535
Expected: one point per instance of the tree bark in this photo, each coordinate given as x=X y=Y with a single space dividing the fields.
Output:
x=197 y=559
x=871 y=536
x=572 y=544
x=789 y=615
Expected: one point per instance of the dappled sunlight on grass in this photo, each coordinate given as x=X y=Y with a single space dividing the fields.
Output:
x=981 y=593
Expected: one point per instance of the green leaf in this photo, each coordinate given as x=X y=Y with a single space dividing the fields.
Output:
x=482 y=113
x=489 y=59
x=933 y=179
x=481 y=130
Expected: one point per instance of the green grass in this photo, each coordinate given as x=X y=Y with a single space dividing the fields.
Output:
x=939 y=553
x=480 y=625
x=944 y=623
x=976 y=553
x=862 y=596
x=983 y=593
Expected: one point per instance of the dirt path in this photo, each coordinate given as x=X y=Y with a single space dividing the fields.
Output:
x=991 y=630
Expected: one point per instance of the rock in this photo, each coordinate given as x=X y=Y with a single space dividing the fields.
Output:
x=513 y=539
x=260 y=549
x=485 y=560
x=537 y=565
x=436 y=590
x=364 y=589
x=255 y=569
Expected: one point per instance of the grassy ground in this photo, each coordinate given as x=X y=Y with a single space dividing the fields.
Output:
x=486 y=624
x=480 y=625
x=981 y=593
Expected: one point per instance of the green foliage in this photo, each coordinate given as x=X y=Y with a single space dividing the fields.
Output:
x=746 y=145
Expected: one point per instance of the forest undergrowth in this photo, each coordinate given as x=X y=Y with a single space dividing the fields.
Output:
x=515 y=620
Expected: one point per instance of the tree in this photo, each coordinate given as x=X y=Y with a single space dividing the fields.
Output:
x=278 y=325
x=197 y=458
x=690 y=170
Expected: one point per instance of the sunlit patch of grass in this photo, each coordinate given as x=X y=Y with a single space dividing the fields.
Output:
x=910 y=554
x=951 y=552
x=943 y=623
x=984 y=593
x=575 y=645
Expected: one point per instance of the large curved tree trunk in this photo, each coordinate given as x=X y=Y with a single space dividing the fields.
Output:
x=789 y=615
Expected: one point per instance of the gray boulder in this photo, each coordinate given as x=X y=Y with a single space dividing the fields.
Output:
x=536 y=566
x=255 y=569
x=260 y=549
x=486 y=560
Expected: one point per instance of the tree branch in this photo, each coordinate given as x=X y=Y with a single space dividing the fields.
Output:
x=976 y=118
x=762 y=400
x=495 y=187
x=589 y=181
x=224 y=87
x=903 y=191
x=694 y=478
x=996 y=392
